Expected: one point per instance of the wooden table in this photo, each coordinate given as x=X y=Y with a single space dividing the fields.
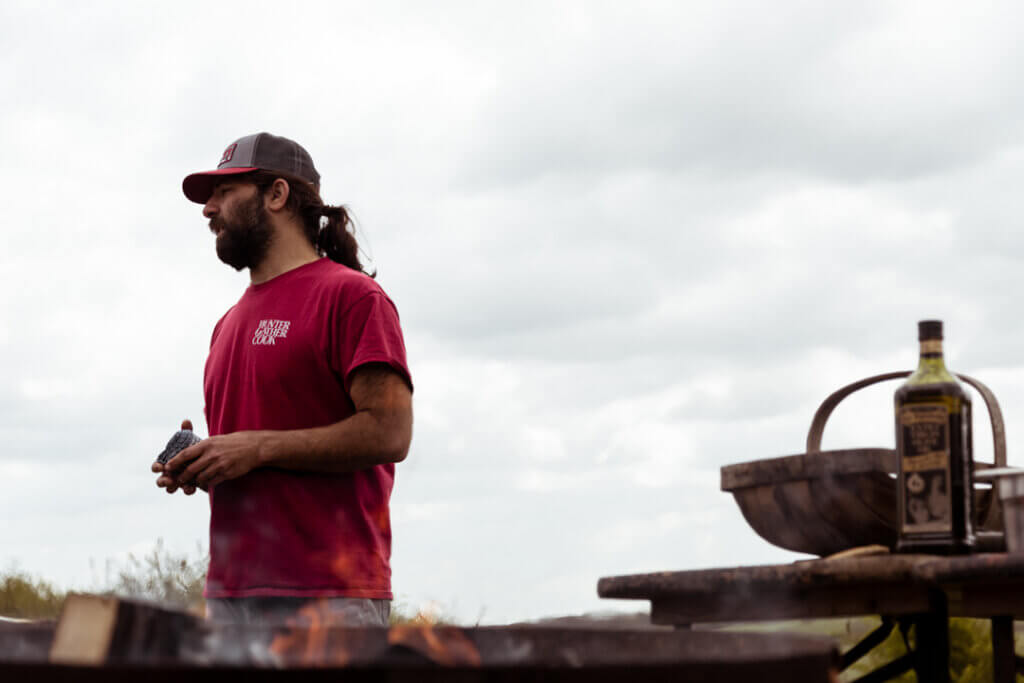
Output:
x=906 y=590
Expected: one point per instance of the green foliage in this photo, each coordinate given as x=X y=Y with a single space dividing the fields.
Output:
x=173 y=580
x=970 y=651
x=970 y=645
x=22 y=597
x=890 y=649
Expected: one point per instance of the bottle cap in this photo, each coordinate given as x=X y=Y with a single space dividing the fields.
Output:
x=929 y=329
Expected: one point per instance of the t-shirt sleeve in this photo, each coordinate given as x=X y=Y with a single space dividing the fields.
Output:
x=370 y=333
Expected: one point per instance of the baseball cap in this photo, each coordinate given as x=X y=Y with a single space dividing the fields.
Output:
x=261 y=151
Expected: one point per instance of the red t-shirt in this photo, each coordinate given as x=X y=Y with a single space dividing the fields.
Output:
x=282 y=358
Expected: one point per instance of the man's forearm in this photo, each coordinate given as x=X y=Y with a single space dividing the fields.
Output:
x=357 y=442
x=378 y=432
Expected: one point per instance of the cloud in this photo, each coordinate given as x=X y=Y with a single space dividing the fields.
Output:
x=628 y=245
x=739 y=88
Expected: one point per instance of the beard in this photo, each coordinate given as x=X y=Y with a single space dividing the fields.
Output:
x=243 y=239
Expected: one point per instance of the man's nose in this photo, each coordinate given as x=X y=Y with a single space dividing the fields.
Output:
x=209 y=209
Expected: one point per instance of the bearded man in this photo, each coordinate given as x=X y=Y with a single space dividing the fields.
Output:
x=308 y=402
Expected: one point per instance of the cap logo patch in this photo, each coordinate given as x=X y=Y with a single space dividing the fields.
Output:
x=228 y=154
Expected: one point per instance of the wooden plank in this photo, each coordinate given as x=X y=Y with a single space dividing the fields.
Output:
x=28 y=640
x=815 y=602
x=974 y=586
x=85 y=630
x=505 y=654
x=863 y=572
x=982 y=600
x=108 y=640
x=94 y=630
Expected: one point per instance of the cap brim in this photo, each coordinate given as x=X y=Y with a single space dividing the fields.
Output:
x=199 y=186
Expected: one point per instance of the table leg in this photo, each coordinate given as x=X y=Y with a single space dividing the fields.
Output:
x=931 y=653
x=916 y=658
x=1004 y=659
x=931 y=640
x=867 y=644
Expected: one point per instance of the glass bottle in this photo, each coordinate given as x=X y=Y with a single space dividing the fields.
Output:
x=934 y=451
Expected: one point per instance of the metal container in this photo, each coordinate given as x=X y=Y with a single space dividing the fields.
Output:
x=1009 y=485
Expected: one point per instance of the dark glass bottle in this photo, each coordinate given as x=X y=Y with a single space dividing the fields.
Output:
x=934 y=449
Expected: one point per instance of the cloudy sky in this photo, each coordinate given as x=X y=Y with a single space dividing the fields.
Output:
x=630 y=243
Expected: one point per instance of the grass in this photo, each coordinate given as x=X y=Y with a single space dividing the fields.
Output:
x=970 y=644
x=174 y=580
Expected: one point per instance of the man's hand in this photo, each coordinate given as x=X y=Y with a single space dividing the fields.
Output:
x=215 y=459
x=378 y=432
x=168 y=480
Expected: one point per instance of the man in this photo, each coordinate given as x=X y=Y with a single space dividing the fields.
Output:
x=308 y=402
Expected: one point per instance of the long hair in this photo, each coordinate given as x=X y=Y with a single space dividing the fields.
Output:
x=332 y=238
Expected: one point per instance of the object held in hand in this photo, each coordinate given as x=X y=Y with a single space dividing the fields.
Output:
x=179 y=442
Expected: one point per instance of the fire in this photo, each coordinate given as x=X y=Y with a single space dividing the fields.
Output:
x=316 y=637
x=306 y=638
x=446 y=645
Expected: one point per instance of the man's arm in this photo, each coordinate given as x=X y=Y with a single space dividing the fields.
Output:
x=378 y=432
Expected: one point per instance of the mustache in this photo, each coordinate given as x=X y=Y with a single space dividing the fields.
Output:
x=217 y=224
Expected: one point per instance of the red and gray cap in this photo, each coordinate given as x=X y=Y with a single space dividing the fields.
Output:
x=259 y=152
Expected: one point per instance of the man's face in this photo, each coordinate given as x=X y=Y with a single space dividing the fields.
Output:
x=241 y=224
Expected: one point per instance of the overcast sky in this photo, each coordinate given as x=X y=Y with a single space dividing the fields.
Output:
x=630 y=243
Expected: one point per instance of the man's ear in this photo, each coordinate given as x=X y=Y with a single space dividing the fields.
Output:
x=276 y=196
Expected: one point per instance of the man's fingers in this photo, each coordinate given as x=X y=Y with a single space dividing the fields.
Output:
x=199 y=471
x=186 y=424
x=182 y=459
x=213 y=481
x=188 y=489
x=157 y=467
x=208 y=477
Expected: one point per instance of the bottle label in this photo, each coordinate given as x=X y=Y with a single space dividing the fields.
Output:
x=925 y=505
x=930 y=347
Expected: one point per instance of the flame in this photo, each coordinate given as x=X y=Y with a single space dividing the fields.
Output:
x=306 y=638
x=428 y=614
x=447 y=646
x=313 y=639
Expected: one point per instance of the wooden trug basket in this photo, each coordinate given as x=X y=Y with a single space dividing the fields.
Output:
x=823 y=502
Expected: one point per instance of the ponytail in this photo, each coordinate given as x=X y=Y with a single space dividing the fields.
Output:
x=335 y=238
x=328 y=228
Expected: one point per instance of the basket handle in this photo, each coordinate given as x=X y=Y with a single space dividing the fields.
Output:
x=828 y=405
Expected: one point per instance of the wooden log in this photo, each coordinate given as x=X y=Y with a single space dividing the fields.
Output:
x=498 y=654
x=106 y=639
x=94 y=630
